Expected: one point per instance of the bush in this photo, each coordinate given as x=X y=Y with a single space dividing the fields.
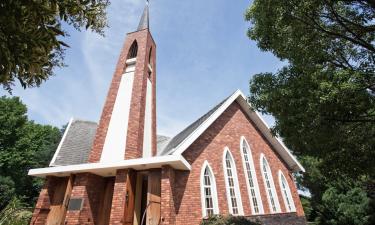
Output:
x=15 y=213
x=228 y=220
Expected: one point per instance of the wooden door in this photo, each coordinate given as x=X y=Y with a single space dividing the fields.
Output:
x=60 y=201
x=153 y=195
x=106 y=202
x=130 y=197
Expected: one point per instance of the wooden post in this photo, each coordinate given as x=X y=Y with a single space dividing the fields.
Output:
x=153 y=196
x=60 y=201
x=130 y=197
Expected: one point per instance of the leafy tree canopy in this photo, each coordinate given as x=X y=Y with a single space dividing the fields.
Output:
x=31 y=36
x=323 y=101
x=23 y=145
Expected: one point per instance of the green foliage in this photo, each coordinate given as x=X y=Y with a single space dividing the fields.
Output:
x=23 y=145
x=15 y=213
x=7 y=190
x=348 y=208
x=323 y=114
x=333 y=33
x=228 y=220
x=306 y=204
x=324 y=99
x=31 y=36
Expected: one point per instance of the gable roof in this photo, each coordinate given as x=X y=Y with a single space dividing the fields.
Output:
x=178 y=144
x=75 y=145
x=180 y=137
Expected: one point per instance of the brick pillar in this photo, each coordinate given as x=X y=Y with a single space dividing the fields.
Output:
x=90 y=188
x=168 y=213
x=43 y=204
x=118 y=200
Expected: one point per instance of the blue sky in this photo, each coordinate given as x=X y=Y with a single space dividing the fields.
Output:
x=203 y=55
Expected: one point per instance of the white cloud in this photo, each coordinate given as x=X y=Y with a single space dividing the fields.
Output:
x=79 y=90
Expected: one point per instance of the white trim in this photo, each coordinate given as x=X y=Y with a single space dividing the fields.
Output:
x=147 y=129
x=238 y=96
x=273 y=189
x=109 y=169
x=195 y=134
x=213 y=190
x=290 y=156
x=114 y=148
x=235 y=183
x=61 y=142
x=288 y=193
x=130 y=65
x=131 y=61
x=253 y=177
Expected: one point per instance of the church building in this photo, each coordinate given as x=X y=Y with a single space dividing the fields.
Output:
x=120 y=171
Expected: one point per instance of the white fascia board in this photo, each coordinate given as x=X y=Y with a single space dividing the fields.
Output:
x=279 y=146
x=109 y=169
x=256 y=118
x=61 y=142
x=195 y=134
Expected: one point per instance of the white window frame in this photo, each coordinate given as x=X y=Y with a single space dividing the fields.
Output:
x=272 y=184
x=235 y=183
x=213 y=190
x=286 y=193
x=245 y=144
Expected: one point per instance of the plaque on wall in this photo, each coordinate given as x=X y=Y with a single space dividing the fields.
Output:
x=75 y=204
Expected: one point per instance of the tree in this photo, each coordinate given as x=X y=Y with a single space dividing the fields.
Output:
x=23 y=145
x=31 y=36
x=323 y=101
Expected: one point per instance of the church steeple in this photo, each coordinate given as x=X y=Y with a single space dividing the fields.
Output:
x=127 y=128
x=144 y=22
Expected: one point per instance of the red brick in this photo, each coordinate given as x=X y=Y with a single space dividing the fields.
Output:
x=226 y=131
x=134 y=139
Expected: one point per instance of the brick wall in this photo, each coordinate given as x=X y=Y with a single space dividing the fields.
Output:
x=43 y=204
x=118 y=199
x=226 y=131
x=137 y=105
x=168 y=193
x=90 y=188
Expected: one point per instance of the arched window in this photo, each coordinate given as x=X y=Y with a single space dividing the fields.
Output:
x=209 y=201
x=251 y=178
x=287 y=195
x=269 y=185
x=231 y=181
x=150 y=56
x=133 y=50
x=150 y=64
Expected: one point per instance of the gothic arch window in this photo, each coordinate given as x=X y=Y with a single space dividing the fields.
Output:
x=209 y=200
x=286 y=193
x=269 y=185
x=231 y=182
x=150 y=56
x=251 y=179
x=133 y=50
x=150 y=64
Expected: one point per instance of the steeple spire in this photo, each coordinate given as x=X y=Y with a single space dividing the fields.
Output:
x=144 y=22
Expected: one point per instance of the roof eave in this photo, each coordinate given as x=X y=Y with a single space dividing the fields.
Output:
x=276 y=143
x=109 y=169
x=238 y=96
